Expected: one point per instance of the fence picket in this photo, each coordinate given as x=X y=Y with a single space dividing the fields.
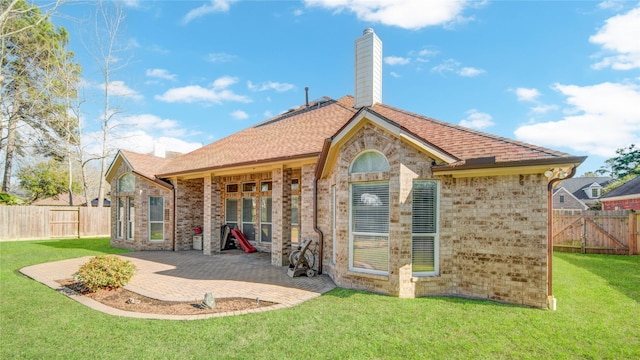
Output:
x=48 y=222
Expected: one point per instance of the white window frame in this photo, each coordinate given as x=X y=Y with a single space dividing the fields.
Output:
x=254 y=215
x=156 y=221
x=119 y=218
x=295 y=223
x=436 y=235
x=226 y=212
x=265 y=222
x=353 y=233
x=131 y=218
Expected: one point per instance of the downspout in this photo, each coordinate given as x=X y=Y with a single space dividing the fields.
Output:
x=175 y=216
x=551 y=303
x=318 y=173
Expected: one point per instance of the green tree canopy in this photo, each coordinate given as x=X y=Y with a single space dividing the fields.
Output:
x=44 y=179
x=625 y=163
x=37 y=77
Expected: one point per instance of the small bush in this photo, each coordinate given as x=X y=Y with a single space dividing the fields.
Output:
x=105 y=272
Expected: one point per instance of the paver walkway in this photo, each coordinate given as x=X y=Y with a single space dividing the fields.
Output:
x=188 y=275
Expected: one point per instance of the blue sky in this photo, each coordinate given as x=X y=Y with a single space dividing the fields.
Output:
x=564 y=75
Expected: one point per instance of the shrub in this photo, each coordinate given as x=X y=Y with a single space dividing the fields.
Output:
x=105 y=272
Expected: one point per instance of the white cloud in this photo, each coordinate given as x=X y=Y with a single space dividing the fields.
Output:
x=396 y=60
x=131 y=3
x=477 y=120
x=543 y=109
x=298 y=12
x=149 y=122
x=160 y=74
x=218 y=93
x=394 y=74
x=406 y=14
x=270 y=85
x=525 y=94
x=601 y=118
x=619 y=36
x=470 y=72
x=119 y=88
x=454 y=66
x=214 y=6
x=239 y=115
x=612 y=4
x=220 y=57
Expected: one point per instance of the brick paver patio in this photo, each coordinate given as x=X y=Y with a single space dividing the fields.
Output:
x=188 y=275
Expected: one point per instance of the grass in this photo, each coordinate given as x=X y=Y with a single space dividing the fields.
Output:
x=598 y=316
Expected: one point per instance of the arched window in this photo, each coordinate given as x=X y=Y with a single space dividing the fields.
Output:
x=126 y=183
x=369 y=161
x=369 y=217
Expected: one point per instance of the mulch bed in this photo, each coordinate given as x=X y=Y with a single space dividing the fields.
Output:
x=130 y=301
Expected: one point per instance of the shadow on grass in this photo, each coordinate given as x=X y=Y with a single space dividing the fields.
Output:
x=622 y=272
x=100 y=245
x=347 y=293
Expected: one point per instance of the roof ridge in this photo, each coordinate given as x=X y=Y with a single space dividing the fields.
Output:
x=478 y=133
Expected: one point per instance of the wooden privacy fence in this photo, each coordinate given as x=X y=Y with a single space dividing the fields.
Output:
x=596 y=232
x=50 y=222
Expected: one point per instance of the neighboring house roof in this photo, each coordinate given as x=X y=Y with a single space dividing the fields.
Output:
x=627 y=190
x=302 y=133
x=61 y=200
x=576 y=186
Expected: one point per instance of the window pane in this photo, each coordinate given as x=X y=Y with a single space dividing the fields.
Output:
x=156 y=231
x=126 y=183
x=371 y=252
x=295 y=215
x=370 y=208
x=232 y=188
x=424 y=207
x=249 y=231
x=265 y=235
x=295 y=234
x=155 y=208
x=422 y=253
x=265 y=209
x=231 y=210
x=266 y=186
x=248 y=209
x=370 y=161
x=249 y=187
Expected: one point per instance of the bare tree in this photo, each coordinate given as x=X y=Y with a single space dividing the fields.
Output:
x=109 y=52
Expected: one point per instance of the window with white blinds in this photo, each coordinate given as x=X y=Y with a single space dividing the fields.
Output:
x=369 y=235
x=424 y=228
x=249 y=218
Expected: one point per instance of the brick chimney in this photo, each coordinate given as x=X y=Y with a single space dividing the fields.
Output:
x=368 y=69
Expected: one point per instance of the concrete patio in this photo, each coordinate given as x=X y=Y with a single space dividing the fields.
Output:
x=188 y=275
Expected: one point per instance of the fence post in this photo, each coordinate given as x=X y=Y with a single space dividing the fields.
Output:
x=633 y=232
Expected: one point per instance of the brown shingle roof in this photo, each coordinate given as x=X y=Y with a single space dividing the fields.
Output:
x=464 y=143
x=298 y=133
x=145 y=165
x=301 y=133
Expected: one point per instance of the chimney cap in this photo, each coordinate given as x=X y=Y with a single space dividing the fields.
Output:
x=367 y=31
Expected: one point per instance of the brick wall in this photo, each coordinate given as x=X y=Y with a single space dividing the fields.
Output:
x=492 y=229
x=144 y=188
x=626 y=204
x=189 y=211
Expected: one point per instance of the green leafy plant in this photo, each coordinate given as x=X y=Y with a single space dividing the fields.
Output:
x=105 y=272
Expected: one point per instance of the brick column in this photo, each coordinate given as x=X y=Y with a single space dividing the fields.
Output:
x=216 y=219
x=281 y=217
x=306 y=205
x=206 y=215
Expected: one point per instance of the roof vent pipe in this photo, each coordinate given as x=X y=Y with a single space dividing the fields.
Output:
x=306 y=92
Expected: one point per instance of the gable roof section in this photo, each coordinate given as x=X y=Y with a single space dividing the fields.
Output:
x=466 y=144
x=576 y=185
x=627 y=190
x=144 y=165
x=296 y=134
x=562 y=190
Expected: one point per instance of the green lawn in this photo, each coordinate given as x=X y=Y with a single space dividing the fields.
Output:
x=598 y=316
